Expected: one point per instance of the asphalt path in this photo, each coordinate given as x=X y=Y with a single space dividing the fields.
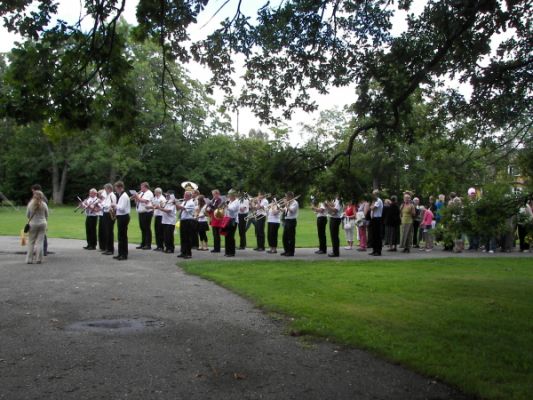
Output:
x=84 y=326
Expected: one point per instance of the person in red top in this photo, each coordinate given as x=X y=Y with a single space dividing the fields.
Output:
x=349 y=223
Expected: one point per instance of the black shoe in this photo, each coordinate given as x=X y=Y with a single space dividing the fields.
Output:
x=139 y=247
x=320 y=252
x=187 y=257
x=122 y=258
x=89 y=248
x=372 y=254
x=392 y=250
x=117 y=257
x=158 y=249
x=215 y=251
x=229 y=255
x=376 y=254
x=147 y=248
x=259 y=249
x=271 y=251
x=332 y=255
x=181 y=255
x=108 y=253
x=289 y=255
x=242 y=248
x=405 y=251
x=283 y=254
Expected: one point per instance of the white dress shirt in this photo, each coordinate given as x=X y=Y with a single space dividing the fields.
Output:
x=292 y=210
x=141 y=207
x=156 y=201
x=274 y=215
x=123 y=205
x=110 y=199
x=244 y=206
x=187 y=212
x=337 y=212
x=262 y=207
x=91 y=206
x=169 y=215
x=232 y=210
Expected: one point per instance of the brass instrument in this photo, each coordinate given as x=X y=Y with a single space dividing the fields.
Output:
x=80 y=205
x=189 y=186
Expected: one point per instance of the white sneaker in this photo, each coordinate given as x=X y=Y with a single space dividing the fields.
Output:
x=491 y=251
x=428 y=250
x=347 y=248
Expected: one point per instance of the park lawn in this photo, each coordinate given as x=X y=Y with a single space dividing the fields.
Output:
x=468 y=322
x=64 y=223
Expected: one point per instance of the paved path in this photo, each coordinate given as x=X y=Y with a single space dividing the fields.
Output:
x=199 y=341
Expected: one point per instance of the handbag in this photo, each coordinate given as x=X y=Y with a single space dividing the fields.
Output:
x=347 y=225
x=27 y=226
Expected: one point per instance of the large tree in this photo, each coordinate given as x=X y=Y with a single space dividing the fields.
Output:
x=299 y=47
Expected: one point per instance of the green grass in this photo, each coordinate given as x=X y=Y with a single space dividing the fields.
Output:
x=468 y=322
x=64 y=223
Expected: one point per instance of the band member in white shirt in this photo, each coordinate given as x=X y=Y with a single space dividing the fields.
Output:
x=321 y=223
x=232 y=211
x=186 y=224
x=92 y=207
x=122 y=211
x=289 y=228
x=261 y=213
x=195 y=238
x=157 y=200
x=202 y=225
x=143 y=200
x=244 y=209
x=107 y=219
x=168 y=221
x=335 y=218
x=274 y=220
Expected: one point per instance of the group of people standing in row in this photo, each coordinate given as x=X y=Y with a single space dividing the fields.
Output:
x=375 y=222
x=400 y=224
x=194 y=214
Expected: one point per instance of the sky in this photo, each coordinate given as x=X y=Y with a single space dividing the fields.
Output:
x=337 y=98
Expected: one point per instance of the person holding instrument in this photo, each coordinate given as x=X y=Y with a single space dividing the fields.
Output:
x=143 y=200
x=289 y=229
x=122 y=211
x=91 y=206
x=108 y=219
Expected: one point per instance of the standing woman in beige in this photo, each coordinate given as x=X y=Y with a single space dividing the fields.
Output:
x=37 y=214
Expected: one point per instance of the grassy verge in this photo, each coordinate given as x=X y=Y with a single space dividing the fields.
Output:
x=467 y=322
x=64 y=223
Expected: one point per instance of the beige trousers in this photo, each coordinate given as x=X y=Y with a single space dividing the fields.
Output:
x=35 y=243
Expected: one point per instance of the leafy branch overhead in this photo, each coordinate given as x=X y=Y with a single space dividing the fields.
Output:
x=291 y=50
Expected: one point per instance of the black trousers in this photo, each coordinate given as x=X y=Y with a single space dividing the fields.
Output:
x=159 y=230
x=289 y=236
x=416 y=238
x=122 y=233
x=260 y=232
x=145 y=223
x=375 y=235
x=273 y=228
x=101 y=233
x=242 y=230
x=90 y=230
x=321 y=223
x=216 y=238
x=229 y=242
x=168 y=236
x=195 y=234
x=203 y=228
x=334 y=225
x=109 y=234
x=522 y=233
x=186 y=236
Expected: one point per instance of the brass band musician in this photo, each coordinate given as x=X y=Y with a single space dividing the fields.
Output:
x=91 y=205
x=260 y=209
x=289 y=229
x=108 y=219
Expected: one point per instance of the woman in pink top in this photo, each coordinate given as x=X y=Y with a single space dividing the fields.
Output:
x=426 y=225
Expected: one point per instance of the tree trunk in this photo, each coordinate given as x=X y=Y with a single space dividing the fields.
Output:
x=59 y=178
x=112 y=175
x=375 y=182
